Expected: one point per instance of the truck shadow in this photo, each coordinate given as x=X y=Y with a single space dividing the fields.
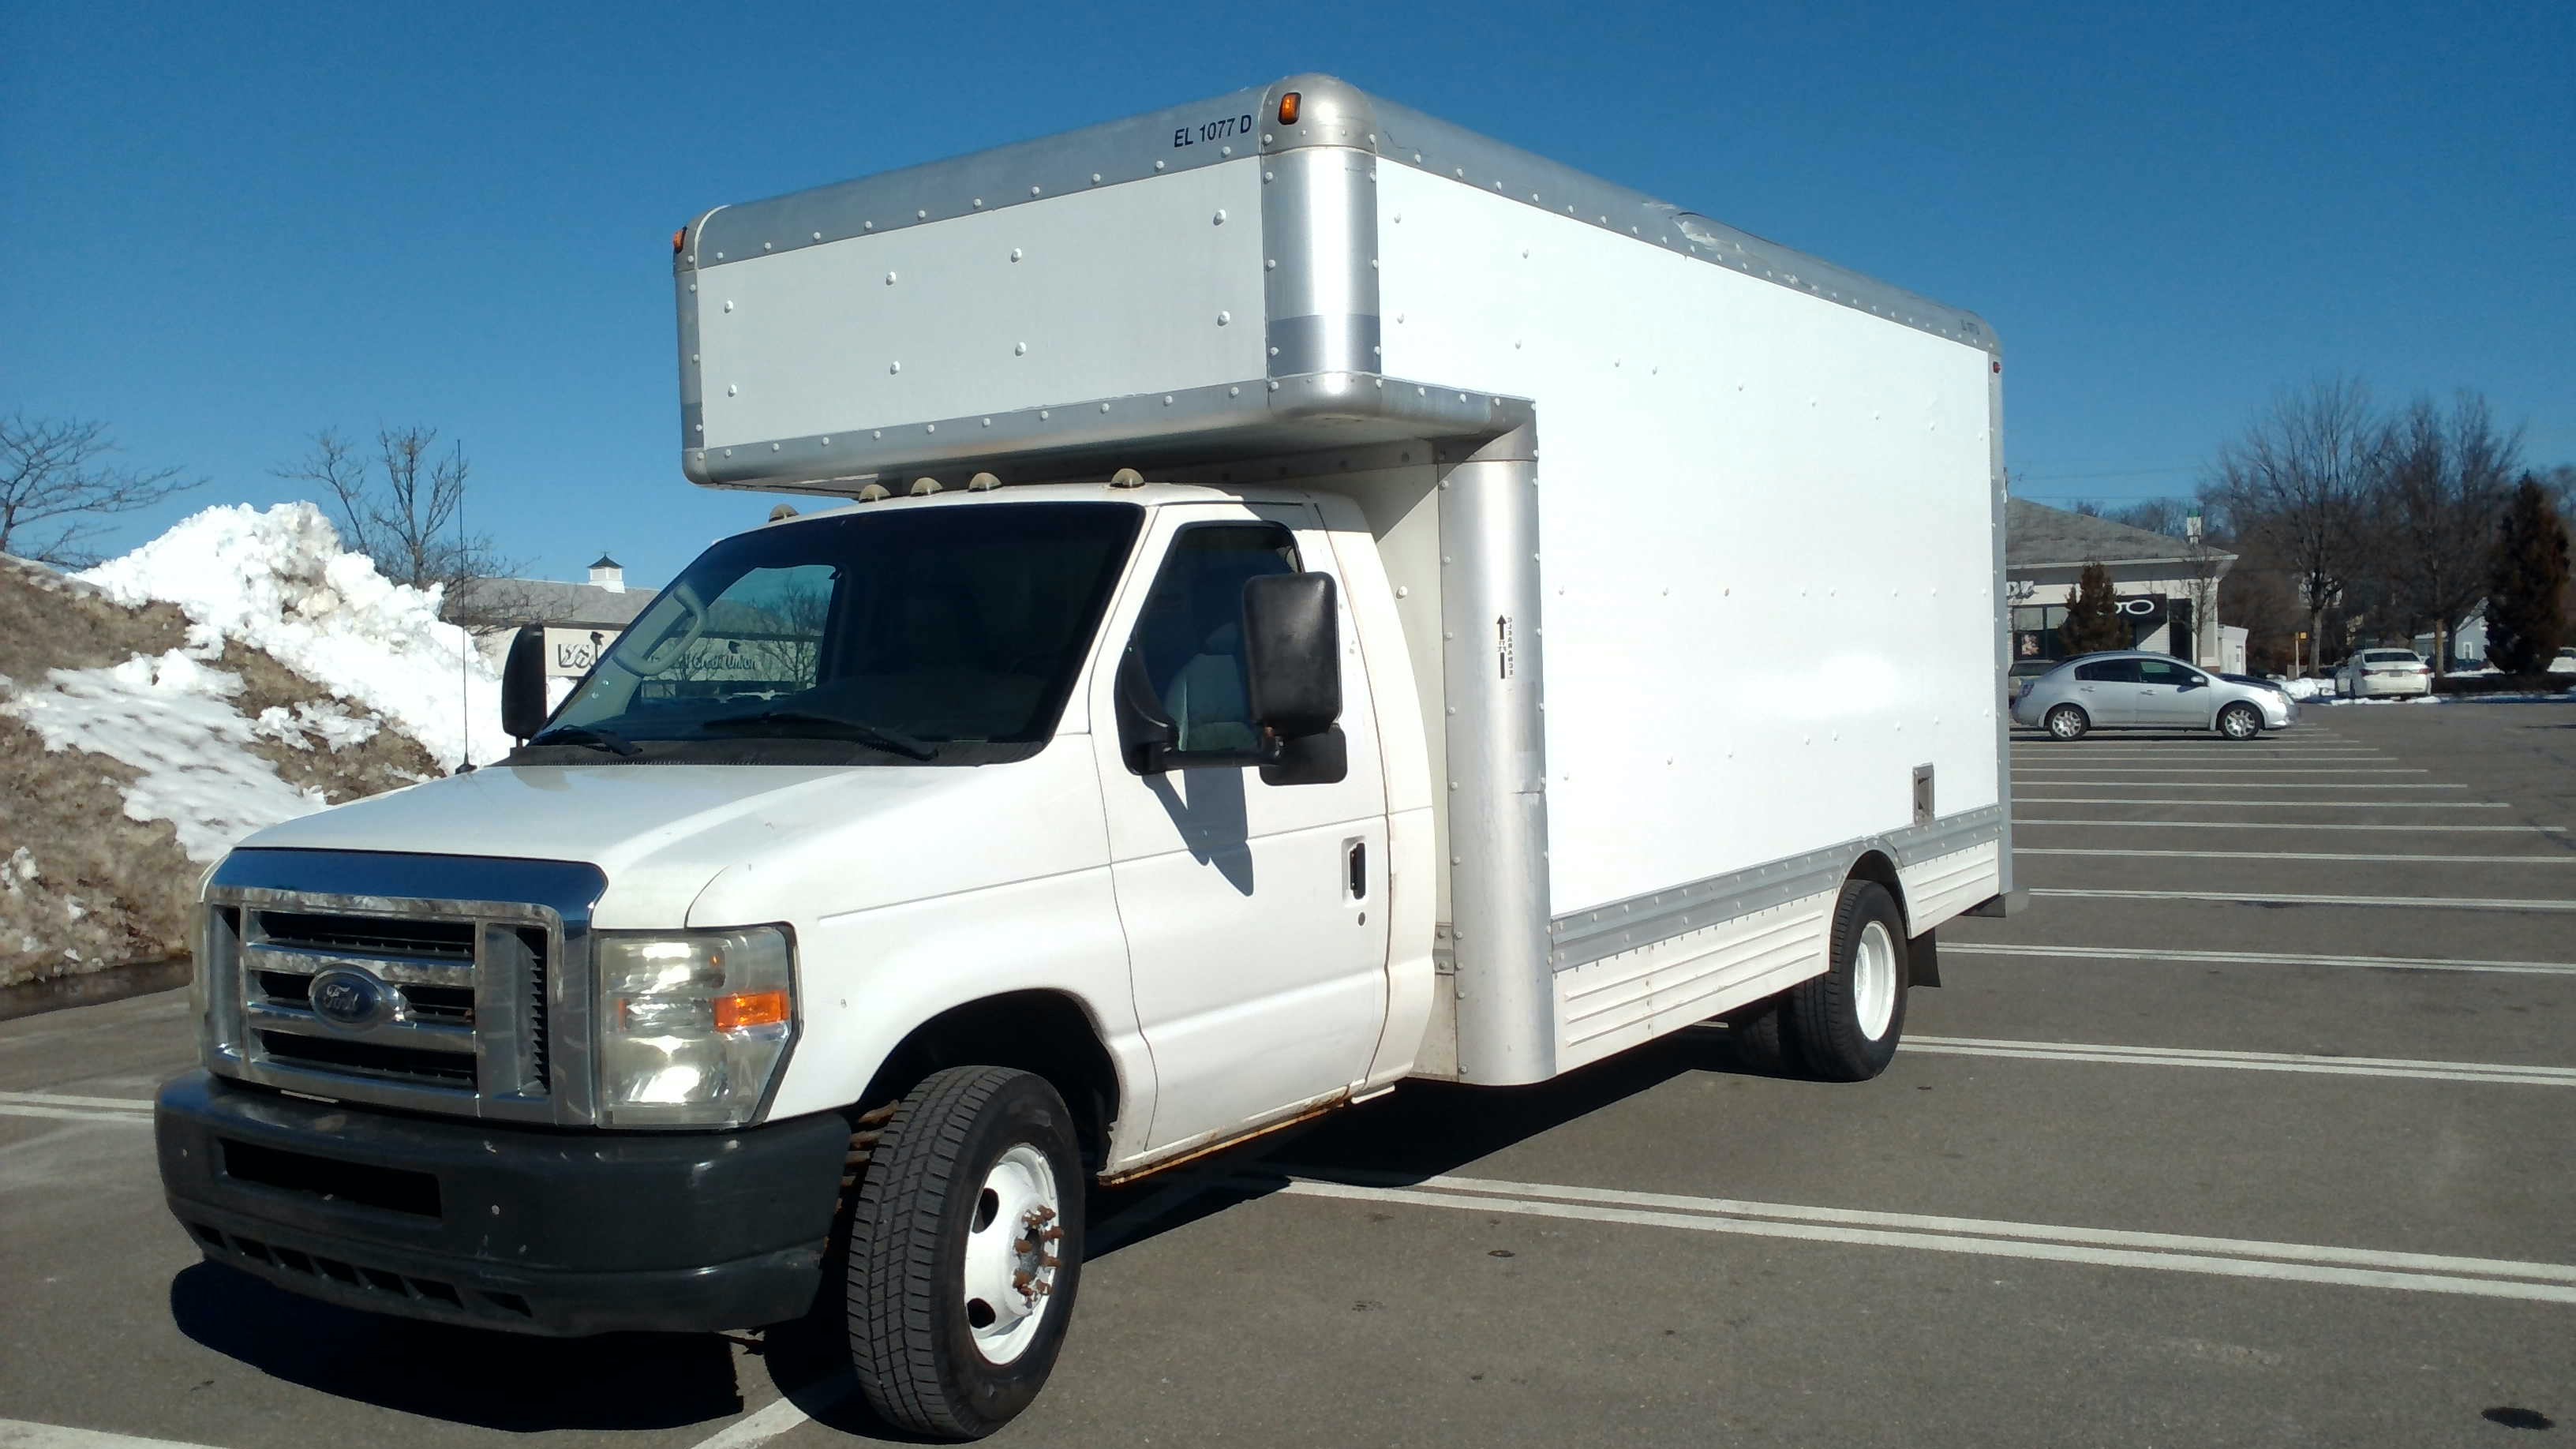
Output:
x=463 y=1375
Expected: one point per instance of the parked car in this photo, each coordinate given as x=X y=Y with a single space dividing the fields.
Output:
x=2372 y=673
x=2018 y=678
x=2133 y=689
x=2565 y=663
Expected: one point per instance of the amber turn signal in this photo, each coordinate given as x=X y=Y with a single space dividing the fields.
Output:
x=750 y=1008
x=679 y=241
x=1288 y=109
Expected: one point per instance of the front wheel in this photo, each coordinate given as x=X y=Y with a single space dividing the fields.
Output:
x=965 y=1250
x=2240 y=722
x=1845 y=1023
x=2066 y=722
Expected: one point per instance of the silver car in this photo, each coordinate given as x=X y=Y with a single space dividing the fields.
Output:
x=2132 y=689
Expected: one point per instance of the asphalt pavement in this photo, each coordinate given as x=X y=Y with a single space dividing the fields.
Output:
x=2215 y=1145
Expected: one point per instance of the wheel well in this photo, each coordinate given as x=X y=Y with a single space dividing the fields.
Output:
x=1045 y=1032
x=1874 y=865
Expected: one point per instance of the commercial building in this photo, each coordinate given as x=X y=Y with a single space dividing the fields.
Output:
x=2168 y=587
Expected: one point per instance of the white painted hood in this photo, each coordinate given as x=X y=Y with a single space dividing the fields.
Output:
x=791 y=841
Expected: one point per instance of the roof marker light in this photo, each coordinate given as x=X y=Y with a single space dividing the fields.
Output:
x=1288 y=108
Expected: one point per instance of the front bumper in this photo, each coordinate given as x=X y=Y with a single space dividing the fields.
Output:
x=529 y=1229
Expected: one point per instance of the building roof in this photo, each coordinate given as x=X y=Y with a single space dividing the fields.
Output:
x=605 y=562
x=2038 y=537
x=544 y=601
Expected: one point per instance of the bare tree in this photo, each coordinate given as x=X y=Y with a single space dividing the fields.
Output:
x=402 y=510
x=2441 y=485
x=2292 y=485
x=58 y=489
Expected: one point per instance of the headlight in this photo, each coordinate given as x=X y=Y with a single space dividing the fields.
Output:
x=692 y=1026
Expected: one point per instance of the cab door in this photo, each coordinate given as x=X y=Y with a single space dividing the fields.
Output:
x=1256 y=930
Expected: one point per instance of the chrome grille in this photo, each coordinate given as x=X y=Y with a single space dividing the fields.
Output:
x=445 y=1006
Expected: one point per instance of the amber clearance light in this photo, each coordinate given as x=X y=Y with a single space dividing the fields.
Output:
x=1288 y=109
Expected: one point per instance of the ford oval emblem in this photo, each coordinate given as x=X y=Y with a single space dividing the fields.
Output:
x=350 y=998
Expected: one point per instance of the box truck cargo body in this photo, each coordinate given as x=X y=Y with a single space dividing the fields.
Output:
x=1314 y=598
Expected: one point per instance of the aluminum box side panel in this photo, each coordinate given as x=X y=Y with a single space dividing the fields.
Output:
x=1766 y=556
x=1150 y=287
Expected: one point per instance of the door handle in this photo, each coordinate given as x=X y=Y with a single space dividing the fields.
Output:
x=1355 y=870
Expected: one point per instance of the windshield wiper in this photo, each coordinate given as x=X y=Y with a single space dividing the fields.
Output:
x=587 y=735
x=792 y=721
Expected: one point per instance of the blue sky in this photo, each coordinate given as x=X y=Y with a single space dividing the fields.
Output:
x=238 y=224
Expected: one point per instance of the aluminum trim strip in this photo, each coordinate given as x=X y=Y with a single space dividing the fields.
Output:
x=1254 y=417
x=259 y=956
x=1602 y=931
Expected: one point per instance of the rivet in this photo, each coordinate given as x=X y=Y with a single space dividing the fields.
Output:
x=988 y=422
x=930 y=427
x=719 y=256
x=894 y=367
x=693 y=286
x=1104 y=407
x=1045 y=413
x=773 y=447
x=827 y=442
x=1167 y=399
x=1267 y=138
x=1095 y=178
x=1274 y=387
x=728 y=304
x=769 y=246
x=1234 y=391
x=921 y=216
x=1015 y=254
x=1225 y=150
x=731 y=390
x=1269 y=176
x=889 y=279
x=818 y=236
x=1220 y=217
x=693 y=357
x=979 y=203
x=879 y=433
x=1019 y=349
x=1223 y=318
x=1274 y=352
x=1158 y=165
x=1033 y=191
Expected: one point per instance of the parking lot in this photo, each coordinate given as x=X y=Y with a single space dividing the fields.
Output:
x=2258 y=1128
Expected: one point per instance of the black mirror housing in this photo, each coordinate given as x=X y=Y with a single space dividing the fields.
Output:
x=1292 y=648
x=523 y=684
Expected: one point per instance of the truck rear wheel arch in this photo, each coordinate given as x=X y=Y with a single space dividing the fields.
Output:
x=1044 y=1032
x=1875 y=865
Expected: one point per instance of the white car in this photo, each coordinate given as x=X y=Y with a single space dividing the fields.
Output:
x=2565 y=663
x=2373 y=673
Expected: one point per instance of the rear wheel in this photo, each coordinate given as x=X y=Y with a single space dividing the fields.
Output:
x=1845 y=1024
x=965 y=1250
x=1758 y=1035
x=2240 y=722
x=2066 y=722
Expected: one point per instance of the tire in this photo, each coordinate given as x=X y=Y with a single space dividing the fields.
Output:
x=971 y=1152
x=2066 y=722
x=2240 y=721
x=1844 y=1025
x=1758 y=1036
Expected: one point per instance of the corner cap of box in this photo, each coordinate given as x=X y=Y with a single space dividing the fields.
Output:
x=1330 y=112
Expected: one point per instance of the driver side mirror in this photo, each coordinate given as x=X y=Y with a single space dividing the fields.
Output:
x=1292 y=651
x=523 y=684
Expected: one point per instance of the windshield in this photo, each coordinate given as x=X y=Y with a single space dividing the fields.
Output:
x=2388 y=656
x=907 y=634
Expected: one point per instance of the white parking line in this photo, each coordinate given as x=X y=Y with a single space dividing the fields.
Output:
x=2266 y=804
x=21 y=1434
x=2197 y=772
x=2068 y=1051
x=2225 y=1257
x=2170 y=784
x=751 y=1430
x=2296 y=825
x=2302 y=855
x=2260 y=958
x=2464 y=903
x=65 y=1099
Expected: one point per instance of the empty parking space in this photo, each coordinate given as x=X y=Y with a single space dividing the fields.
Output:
x=2254 y=1129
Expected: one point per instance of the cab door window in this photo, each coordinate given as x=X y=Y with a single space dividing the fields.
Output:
x=1189 y=639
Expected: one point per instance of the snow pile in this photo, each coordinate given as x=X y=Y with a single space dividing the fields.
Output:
x=172 y=719
x=2309 y=688
x=278 y=580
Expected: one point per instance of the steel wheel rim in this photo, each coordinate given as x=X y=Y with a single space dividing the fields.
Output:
x=1010 y=1267
x=1874 y=980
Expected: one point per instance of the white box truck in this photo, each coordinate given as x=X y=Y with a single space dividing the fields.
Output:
x=1318 y=599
